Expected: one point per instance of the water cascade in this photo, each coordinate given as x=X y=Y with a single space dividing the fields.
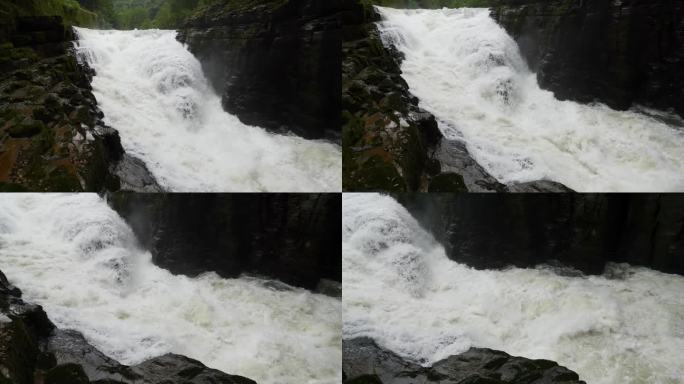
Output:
x=623 y=327
x=78 y=258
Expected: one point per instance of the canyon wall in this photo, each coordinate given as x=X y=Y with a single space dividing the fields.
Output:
x=291 y=237
x=583 y=231
x=276 y=63
x=615 y=52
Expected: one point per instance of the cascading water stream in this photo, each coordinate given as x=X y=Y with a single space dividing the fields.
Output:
x=469 y=73
x=77 y=257
x=152 y=90
x=624 y=327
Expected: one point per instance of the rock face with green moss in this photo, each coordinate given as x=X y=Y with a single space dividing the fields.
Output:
x=276 y=63
x=364 y=362
x=615 y=52
x=52 y=137
x=33 y=350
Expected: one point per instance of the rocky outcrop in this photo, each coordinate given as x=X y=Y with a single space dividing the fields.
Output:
x=583 y=231
x=615 y=52
x=291 y=237
x=276 y=63
x=33 y=350
x=363 y=362
x=52 y=136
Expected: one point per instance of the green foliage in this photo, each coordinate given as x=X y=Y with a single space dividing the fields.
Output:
x=69 y=10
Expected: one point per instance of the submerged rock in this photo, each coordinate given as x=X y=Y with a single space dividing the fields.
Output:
x=363 y=362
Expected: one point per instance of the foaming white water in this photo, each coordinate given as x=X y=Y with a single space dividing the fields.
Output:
x=76 y=257
x=402 y=290
x=153 y=91
x=469 y=73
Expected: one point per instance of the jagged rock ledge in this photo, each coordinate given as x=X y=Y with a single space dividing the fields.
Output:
x=389 y=143
x=364 y=362
x=34 y=351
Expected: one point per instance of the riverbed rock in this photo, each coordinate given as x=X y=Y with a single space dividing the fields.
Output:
x=364 y=362
x=291 y=237
x=615 y=52
x=276 y=63
x=584 y=231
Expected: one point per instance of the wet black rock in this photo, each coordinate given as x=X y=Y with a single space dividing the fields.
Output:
x=291 y=237
x=615 y=52
x=276 y=63
x=363 y=362
x=583 y=231
x=176 y=369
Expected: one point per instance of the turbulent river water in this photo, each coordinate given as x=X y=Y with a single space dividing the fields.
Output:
x=624 y=327
x=469 y=73
x=153 y=91
x=77 y=257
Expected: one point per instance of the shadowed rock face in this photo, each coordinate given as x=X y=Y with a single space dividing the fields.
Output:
x=616 y=52
x=363 y=362
x=582 y=231
x=33 y=351
x=276 y=63
x=291 y=237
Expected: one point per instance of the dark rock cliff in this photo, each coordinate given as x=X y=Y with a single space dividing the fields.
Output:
x=584 y=231
x=291 y=237
x=276 y=63
x=363 y=362
x=616 y=52
x=33 y=350
x=52 y=137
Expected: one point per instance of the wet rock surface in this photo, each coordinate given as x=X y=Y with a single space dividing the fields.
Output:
x=52 y=136
x=363 y=362
x=291 y=237
x=615 y=52
x=276 y=63
x=33 y=351
x=584 y=231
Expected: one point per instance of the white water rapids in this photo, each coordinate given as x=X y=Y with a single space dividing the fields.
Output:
x=400 y=289
x=152 y=90
x=76 y=257
x=469 y=73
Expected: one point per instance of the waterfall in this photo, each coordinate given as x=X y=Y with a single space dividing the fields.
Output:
x=78 y=259
x=469 y=73
x=152 y=90
x=624 y=327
